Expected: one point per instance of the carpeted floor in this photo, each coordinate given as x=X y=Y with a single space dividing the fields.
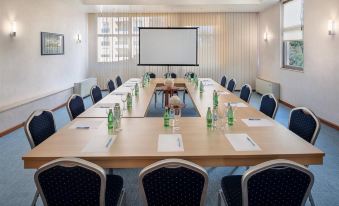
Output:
x=17 y=186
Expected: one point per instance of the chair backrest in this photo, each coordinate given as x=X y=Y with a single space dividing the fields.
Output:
x=110 y=86
x=39 y=126
x=118 y=81
x=304 y=123
x=231 y=85
x=71 y=181
x=246 y=92
x=173 y=182
x=191 y=74
x=276 y=182
x=269 y=105
x=151 y=75
x=223 y=81
x=75 y=106
x=96 y=94
x=171 y=74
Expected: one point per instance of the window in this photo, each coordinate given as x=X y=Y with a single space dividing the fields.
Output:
x=293 y=37
x=118 y=38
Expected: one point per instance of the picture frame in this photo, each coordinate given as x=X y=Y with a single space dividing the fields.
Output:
x=52 y=44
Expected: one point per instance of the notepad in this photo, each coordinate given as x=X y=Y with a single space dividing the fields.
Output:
x=119 y=93
x=223 y=93
x=129 y=85
x=237 y=104
x=170 y=143
x=87 y=124
x=99 y=144
x=208 y=84
x=134 y=80
x=105 y=105
x=257 y=122
x=242 y=142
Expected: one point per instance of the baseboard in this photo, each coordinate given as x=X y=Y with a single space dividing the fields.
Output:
x=324 y=121
x=12 y=129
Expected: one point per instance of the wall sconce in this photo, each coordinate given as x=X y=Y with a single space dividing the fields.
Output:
x=13 y=29
x=266 y=36
x=78 y=38
x=331 y=27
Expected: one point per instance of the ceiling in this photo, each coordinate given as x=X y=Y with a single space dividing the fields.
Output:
x=153 y=6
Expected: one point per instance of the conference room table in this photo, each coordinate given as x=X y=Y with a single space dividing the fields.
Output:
x=136 y=144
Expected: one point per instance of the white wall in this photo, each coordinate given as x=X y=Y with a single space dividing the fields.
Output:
x=316 y=87
x=24 y=73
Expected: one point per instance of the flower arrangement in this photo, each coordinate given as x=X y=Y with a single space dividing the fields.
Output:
x=169 y=83
x=175 y=102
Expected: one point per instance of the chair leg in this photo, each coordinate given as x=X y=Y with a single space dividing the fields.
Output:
x=35 y=199
x=219 y=199
x=122 y=198
x=234 y=169
x=310 y=197
x=155 y=99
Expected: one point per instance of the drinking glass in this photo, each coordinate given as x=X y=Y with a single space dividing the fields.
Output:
x=132 y=90
x=124 y=99
x=177 y=115
x=172 y=115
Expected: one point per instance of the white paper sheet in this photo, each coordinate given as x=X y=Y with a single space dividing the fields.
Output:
x=99 y=144
x=257 y=122
x=87 y=124
x=237 y=104
x=105 y=105
x=135 y=80
x=119 y=93
x=170 y=143
x=242 y=142
x=223 y=93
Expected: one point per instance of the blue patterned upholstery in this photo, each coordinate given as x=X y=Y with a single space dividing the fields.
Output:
x=77 y=186
x=223 y=81
x=110 y=86
x=96 y=94
x=151 y=75
x=173 y=186
x=268 y=105
x=118 y=81
x=302 y=124
x=173 y=75
x=41 y=127
x=231 y=85
x=283 y=186
x=245 y=93
x=76 y=106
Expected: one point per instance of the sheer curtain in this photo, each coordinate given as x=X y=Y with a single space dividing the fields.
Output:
x=228 y=44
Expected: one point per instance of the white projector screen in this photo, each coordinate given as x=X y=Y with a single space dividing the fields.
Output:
x=168 y=46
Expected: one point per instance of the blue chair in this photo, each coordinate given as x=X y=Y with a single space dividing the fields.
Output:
x=173 y=182
x=223 y=81
x=75 y=106
x=276 y=182
x=151 y=75
x=170 y=74
x=231 y=85
x=246 y=92
x=110 y=86
x=73 y=181
x=118 y=81
x=39 y=126
x=269 y=105
x=304 y=123
x=96 y=94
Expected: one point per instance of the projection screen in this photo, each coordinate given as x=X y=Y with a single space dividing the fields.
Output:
x=168 y=46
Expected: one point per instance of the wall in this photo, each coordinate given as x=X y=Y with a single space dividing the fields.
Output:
x=228 y=45
x=316 y=87
x=26 y=76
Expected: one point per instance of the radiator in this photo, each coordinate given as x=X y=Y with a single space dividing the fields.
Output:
x=265 y=86
x=83 y=88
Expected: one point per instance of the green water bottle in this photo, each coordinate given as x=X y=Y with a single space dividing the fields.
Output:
x=166 y=118
x=136 y=89
x=209 y=118
x=201 y=87
x=230 y=115
x=129 y=100
x=110 y=119
x=215 y=99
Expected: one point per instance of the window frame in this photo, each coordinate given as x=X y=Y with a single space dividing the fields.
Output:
x=284 y=42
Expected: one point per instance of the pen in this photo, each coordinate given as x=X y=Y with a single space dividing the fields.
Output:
x=250 y=141
x=254 y=119
x=83 y=127
x=109 y=142
x=178 y=140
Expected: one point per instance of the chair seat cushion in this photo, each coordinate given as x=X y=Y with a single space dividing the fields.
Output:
x=231 y=187
x=114 y=185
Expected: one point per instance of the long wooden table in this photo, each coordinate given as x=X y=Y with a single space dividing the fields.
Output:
x=136 y=145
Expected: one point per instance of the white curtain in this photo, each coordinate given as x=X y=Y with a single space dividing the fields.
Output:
x=228 y=44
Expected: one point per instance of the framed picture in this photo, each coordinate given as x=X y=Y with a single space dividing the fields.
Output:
x=52 y=44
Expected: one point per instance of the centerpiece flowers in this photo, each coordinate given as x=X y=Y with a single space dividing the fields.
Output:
x=169 y=83
x=176 y=103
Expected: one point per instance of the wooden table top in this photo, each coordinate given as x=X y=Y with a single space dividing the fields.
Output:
x=135 y=145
